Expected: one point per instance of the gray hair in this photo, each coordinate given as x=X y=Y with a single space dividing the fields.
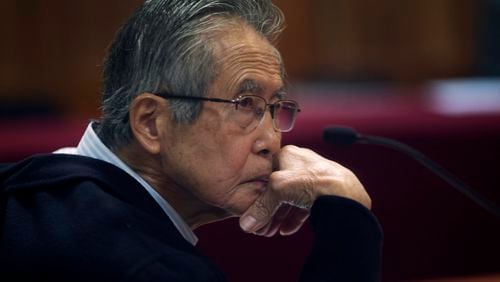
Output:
x=167 y=45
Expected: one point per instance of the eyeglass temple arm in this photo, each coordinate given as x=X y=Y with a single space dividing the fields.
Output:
x=166 y=95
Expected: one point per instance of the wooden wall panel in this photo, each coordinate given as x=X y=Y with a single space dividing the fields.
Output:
x=297 y=44
x=53 y=48
x=389 y=39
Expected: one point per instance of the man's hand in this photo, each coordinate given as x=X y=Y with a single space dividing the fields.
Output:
x=301 y=176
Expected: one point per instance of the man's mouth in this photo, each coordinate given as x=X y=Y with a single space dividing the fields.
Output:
x=260 y=182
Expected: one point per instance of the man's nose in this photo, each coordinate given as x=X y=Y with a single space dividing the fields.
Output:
x=268 y=141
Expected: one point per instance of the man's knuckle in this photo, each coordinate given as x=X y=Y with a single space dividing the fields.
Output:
x=306 y=197
x=262 y=209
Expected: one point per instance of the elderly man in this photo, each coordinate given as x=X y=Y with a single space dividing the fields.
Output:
x=194 y=104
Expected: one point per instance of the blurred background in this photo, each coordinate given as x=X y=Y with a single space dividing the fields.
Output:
x=425 y=72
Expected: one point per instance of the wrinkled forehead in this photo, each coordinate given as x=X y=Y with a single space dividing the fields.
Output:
x=244 y=56
x=243 y=43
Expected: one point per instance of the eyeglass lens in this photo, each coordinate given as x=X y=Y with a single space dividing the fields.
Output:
x=284 y=115
x=251 y=110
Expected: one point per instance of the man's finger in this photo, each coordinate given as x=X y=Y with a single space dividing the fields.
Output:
x=260 y=212
x=272 y=227
x=294 y=221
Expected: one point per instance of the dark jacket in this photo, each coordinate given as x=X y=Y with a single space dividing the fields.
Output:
x=73 y=218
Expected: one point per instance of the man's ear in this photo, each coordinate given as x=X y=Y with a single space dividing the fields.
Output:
x=145 y=115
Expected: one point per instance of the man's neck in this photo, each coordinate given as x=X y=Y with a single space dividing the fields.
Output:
x=194 y=212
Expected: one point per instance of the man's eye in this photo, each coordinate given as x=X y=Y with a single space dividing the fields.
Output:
x=259 y=112
x=246 y=102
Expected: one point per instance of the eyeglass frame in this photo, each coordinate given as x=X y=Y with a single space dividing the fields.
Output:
x=270 y=106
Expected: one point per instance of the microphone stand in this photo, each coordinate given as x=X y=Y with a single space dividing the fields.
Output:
x=344 y=135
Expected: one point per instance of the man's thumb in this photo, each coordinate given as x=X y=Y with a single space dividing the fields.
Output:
x=259 y=213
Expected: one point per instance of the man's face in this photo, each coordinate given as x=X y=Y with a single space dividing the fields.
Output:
x=215 y=159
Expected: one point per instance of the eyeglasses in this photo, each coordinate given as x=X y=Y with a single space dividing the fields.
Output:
x=250 y=110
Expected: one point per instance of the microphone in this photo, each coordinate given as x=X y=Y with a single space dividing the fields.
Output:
x=341 y=135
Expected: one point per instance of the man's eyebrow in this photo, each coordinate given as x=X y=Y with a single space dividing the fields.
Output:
x=281 y=93
x=251 y=86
